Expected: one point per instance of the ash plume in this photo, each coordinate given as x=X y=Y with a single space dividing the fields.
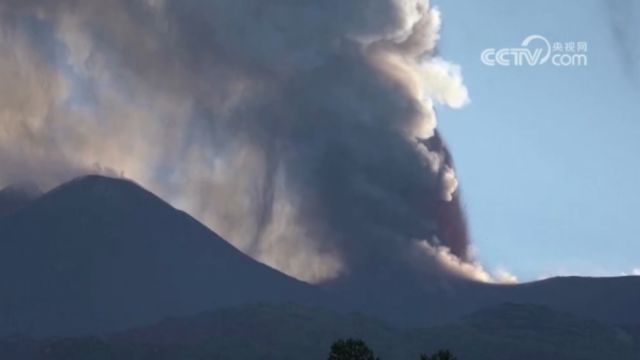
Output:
x=301 y=131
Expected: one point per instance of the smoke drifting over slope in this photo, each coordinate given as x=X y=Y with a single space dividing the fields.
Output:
x=295 y=129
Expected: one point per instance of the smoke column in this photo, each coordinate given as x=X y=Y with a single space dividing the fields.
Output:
x=301 y=131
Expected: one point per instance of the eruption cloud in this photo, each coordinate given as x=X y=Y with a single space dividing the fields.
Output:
x=301 y=131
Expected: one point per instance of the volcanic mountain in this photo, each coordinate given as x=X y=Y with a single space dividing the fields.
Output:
x=99 y=254
x=14 y=197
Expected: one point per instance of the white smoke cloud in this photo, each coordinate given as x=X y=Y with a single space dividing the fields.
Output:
x=468 y=269
x=450 y=183
x=289 y=128
x=503 y=276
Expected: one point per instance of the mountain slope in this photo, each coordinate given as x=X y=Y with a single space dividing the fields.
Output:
x=527 y=331
x=505 y=332
x=408 y=302
x=14 y=197
x=100 y=254
x=613 y=300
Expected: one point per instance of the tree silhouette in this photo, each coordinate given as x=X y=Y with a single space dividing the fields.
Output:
x=351 y=349
x=440 y=355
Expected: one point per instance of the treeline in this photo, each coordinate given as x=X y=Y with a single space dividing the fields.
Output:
x=356 y=349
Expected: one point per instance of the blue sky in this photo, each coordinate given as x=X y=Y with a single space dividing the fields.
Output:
x=546 y=155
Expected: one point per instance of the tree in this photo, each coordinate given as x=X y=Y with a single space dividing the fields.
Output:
x=440 y=355
x=351 y=349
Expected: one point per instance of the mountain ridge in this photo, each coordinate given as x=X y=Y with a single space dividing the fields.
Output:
x=16 y=196
x=98 y=254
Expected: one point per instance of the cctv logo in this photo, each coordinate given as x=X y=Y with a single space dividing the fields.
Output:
x=536 y=50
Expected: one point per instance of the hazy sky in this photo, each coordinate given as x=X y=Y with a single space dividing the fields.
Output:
x=547 y=156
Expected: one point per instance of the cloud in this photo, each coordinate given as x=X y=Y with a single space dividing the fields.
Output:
x=467 y=269
x=294 y=129
x=503 y=276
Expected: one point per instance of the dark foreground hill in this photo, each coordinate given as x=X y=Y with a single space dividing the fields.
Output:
x=506 y=332
x=611 y=300
x=100 y=254
x=432 y=301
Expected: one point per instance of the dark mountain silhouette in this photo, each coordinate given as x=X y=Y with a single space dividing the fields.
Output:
x=505 y=332
x=442 y=298
x=16 y=196
x=613 y=300
x=100 y=254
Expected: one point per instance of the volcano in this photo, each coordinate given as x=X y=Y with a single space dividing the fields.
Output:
x=99 y=254
x=14 y=197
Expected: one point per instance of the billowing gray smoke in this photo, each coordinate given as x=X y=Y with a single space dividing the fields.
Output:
x=296 y=129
